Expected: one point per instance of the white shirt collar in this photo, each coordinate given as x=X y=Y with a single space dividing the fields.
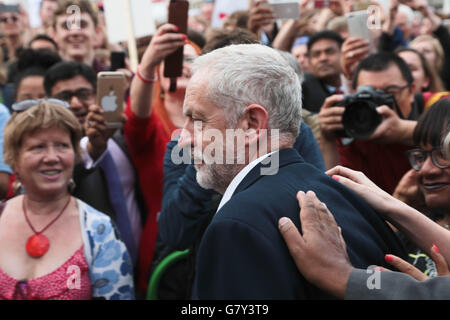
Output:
x=239 y=178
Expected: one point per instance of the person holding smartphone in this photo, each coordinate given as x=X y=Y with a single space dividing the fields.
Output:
x=106 y=178
x=147 y=132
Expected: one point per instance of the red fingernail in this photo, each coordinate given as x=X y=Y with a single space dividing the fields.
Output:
x=435 y=248
x=176 y=28
x=389 y=258
x=335 y=178
x=184 y=37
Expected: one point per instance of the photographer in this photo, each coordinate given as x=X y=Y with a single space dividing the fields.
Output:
x=381 y=154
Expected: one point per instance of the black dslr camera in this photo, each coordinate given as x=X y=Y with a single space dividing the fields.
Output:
x=360 y=118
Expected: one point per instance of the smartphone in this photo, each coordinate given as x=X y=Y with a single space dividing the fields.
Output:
x=117 y=60
x=319 y=4
x=110 y=96
x=357 y=24
x=285 y=10
x=9 y=8
x=173 y=63
x=357 y=27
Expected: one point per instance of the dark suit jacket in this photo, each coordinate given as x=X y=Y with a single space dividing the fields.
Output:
x=92 y=186
x=314 y=93
x=242 y=254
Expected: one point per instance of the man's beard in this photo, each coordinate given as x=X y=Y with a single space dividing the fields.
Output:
x=216 y=176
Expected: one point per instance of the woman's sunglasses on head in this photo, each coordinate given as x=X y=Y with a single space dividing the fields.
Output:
x=26 y=104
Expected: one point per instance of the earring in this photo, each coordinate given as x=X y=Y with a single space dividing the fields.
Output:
x=71 y=185
x=17 y=187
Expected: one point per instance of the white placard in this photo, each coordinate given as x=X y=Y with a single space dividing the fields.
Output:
x=223 y=8
x=116 y=22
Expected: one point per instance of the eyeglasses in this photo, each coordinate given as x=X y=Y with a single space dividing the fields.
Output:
x=394 y=90
x=26 y=104
x=417 y=158
x=82 y=94
x=5 y=19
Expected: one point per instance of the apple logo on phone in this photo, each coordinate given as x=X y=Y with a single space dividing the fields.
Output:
x=109 y=102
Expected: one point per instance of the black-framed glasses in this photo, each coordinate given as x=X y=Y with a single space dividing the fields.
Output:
x=82 y=94
x=417 y=158
x=394 y=90
x=26 y=104
x=5 y=19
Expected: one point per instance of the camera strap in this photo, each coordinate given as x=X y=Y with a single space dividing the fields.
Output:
x=398 y=110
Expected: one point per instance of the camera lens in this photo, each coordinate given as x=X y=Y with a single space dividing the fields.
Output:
x=360 y=119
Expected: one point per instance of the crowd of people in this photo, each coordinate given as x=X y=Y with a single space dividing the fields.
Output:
x=352 y=133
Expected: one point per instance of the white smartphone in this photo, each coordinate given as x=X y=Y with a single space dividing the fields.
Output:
x=357 y=23
x=286 y=10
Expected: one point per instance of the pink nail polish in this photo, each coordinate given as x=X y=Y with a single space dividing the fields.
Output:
x=436 y=249
x=389 y=258
x=335 y=178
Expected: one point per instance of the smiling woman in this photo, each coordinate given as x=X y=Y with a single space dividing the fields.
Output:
x=432 y=167
x=51 y=242
x=429 y=181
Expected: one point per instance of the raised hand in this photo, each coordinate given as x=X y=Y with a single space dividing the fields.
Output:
x=164 y=42
x=97 y=132
x=320 y=252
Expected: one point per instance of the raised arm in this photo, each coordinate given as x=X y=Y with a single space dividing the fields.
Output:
x=164 y=42
x=416 y=226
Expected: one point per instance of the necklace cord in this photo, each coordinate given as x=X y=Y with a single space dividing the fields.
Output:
x=51 y=222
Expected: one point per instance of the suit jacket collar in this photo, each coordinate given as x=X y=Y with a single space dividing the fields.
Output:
x=285 y=156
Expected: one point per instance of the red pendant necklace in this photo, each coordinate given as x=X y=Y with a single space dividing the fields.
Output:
x=38 y=244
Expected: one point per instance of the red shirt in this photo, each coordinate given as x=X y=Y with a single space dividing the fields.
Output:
x=384 y=164
x=147 y=140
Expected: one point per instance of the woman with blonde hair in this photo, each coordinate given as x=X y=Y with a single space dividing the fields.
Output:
x=431 y=49
x=50 y=242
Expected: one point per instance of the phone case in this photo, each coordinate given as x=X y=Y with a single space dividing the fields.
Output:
x=110 y=96
x=178 y=15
